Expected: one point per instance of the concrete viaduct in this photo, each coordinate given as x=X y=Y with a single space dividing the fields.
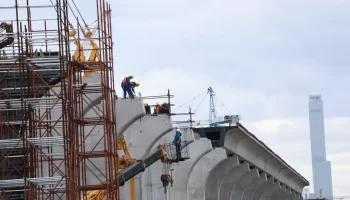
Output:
x=225 y=162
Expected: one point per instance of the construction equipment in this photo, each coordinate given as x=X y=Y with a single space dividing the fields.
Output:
x=132 y=167
x=79 y=51
x=213 y=121
x=9 y=38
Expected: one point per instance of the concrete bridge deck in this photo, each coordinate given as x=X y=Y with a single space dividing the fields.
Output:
x=226 y=162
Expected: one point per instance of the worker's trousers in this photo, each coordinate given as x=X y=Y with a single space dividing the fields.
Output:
x=127 y=88
x=178 y=150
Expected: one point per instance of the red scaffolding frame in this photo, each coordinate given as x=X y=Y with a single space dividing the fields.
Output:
x=50 y=115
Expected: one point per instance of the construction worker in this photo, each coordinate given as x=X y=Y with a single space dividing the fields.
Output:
x=177 y=143
x=156 y=109
x=147 y=108
x=164 y=108
x=126 y=85
x=133 y=85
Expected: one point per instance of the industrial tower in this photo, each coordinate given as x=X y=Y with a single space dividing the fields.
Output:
x=321 y=168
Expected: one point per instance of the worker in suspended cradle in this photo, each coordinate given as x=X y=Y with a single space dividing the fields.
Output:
x=177 y=143
x=133 y=85
x=164 y=108
x=147 y=108
x=126 y=85
x=156 y=109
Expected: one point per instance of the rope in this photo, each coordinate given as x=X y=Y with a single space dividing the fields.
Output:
x=201 y=102
x=78 y=12
x=193 y=98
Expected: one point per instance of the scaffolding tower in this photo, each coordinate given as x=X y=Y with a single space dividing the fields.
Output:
x=45 y=131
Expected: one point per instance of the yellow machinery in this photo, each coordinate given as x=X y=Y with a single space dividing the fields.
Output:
x=124 y=161
x=79 y=51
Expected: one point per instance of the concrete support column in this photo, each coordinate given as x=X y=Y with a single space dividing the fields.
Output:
x=239 y=187
x=253 y=185
x=217 y=175
x=183 y=170
x=230 y=179
x=198 y=177
x=152 y=188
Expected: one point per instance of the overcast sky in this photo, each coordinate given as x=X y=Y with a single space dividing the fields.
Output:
x=262 y=57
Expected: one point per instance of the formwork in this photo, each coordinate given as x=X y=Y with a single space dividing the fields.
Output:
x=43 y=99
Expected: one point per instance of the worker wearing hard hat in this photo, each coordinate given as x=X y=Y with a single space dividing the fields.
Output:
x=133 y=85
x=156 y=109
x=147 y=108
x=177 y=143
x=164 y=108
x=126 y=85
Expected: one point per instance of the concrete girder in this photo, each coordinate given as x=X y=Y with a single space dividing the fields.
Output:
x=282 y=193
x=198 y=178
x=230 y=180
x=240 y=186
x=183 y=170
x=265 y=187
x=216 y=175
x=270 y=190
x=253 y=185
x=128 y=112
x=239 y=141
x=152 y=186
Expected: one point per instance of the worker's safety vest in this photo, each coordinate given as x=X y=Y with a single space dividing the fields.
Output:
x=124 y=81
x=156 y=108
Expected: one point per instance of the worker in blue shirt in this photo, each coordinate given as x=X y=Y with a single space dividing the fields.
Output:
x=126 y=85
x=177 y=143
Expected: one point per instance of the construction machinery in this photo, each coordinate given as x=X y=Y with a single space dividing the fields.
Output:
x=130 y=167
x=213 y=120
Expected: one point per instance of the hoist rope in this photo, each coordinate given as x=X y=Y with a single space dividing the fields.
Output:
x=194 y=98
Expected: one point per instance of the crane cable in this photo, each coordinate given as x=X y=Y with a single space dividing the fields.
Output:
x=201 y=102
x=193 y=98
x=78 y=12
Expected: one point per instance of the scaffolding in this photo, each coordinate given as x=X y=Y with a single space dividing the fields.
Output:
x=48 y=108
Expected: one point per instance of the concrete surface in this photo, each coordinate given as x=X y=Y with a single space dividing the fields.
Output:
x=184 y=169
x=253 y=185
x=128 y=112
x=230 y=180
x=240 y=186
x=217 y=174
x=242 y=143
x=199 y=176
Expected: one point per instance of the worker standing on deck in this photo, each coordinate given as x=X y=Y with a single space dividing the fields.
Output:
x=126 y=85
x=156 y=109
x=133 y=85
x=177 y=143
x=147 y=108
x=164 y=108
